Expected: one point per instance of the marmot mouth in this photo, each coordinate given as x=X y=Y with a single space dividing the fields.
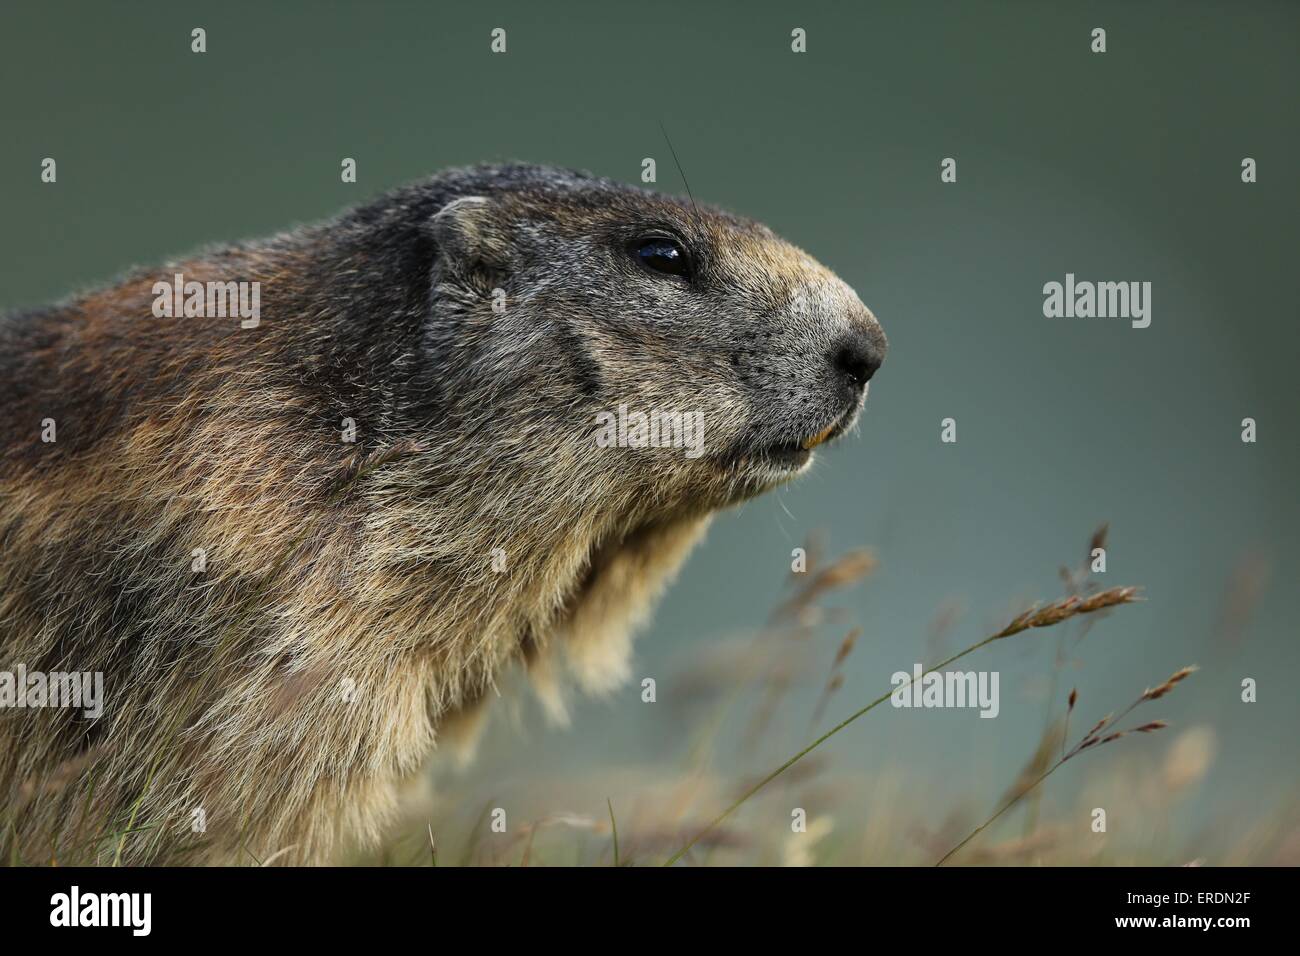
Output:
x=792 y=455
x=823 y=435
x=795 y=454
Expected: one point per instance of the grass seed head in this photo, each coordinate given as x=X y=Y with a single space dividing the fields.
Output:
x=1155 y=693
x=1066 y=608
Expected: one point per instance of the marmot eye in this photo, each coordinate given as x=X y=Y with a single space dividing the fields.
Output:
x=663 y=255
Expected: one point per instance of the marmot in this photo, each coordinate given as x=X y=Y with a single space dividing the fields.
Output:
x=301 y=549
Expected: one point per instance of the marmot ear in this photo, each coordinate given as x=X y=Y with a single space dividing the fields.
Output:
x=468 y=236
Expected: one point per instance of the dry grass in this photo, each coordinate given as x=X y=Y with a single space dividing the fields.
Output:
x=883 y=812
x=1039 y=616
x=661 y=822
x=1103 y=732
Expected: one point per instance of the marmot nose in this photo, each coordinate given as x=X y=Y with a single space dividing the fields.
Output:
x=857 y=356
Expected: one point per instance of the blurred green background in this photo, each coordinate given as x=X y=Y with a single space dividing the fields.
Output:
x=1119 y=166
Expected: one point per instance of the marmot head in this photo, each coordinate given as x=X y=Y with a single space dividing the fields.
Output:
x=680 y=352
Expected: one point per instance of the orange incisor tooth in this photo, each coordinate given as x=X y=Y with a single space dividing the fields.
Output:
x=820 y=437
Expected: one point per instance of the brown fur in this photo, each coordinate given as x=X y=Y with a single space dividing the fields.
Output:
x=348 y=617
